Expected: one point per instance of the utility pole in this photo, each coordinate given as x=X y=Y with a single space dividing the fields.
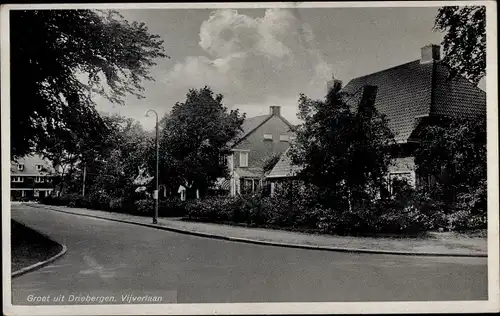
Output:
x=155 y=194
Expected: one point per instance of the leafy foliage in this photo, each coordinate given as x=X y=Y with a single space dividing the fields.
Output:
x=128 y=147
x=465 y=39
x=112 y=166
x=395 y=216
x=453 y=154
x=195 y=139
x=53 y=53
x=103 y=202
x=343 y=151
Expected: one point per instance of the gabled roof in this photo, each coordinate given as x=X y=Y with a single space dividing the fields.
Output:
x=412 y=90
x=253 y=123
x=248 y=126
x=30 y=162
x=407 y=93
x=284 y=167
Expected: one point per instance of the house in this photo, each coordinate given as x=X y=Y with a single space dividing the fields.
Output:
x=262 y=137
x=31 y=177
x=411 y=95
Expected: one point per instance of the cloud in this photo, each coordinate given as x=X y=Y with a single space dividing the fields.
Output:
x=253 y=60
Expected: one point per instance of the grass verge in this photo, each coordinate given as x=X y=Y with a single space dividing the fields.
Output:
x=28 y=247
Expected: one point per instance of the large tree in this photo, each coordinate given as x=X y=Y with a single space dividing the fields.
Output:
x=195 y=139
x=342 y=148
x=129 y=146
x=111 y=169
x=465 y=39
x=59 y=58
x=453 y=154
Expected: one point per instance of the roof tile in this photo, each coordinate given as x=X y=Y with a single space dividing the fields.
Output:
x=404 y=92
x=407 y=92
x=30 y=162
x=284 y=167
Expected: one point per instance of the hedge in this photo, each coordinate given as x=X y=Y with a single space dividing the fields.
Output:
x=407 y=212
x=171 y=207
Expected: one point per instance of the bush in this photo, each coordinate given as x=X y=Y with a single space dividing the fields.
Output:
x=464 y=220
x=116 y=205
x=407 y=211
x=215 y=209
x=144 y=207
x=172 y=207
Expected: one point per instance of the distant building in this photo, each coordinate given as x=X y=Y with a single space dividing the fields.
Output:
x=411 y=95
x=31 y=177
x=262 y=137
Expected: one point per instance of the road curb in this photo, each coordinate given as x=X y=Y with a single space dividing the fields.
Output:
x=40 y=264
x=279 y=244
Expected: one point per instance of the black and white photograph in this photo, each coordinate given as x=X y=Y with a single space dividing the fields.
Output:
x=249 y=158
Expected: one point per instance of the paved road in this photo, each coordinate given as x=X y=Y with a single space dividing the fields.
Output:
x=107 y=257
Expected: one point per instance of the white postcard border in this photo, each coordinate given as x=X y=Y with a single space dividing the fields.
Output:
x=492 y=305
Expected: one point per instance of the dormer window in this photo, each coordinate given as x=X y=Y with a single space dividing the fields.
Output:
x=268 y=136
x=38 y=167
x=20 y=167
x=284 y=138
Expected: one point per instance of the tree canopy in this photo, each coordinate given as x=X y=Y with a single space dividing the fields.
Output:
x=59 y=58
x=129 y=148
x=195 y=139
x=453 y=152
x=342 y=150
x=112 y=167
x=464 y=42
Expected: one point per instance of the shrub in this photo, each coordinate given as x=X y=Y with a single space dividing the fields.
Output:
x=202 y=210
x=116 y=205
x=464 y=220
x=172 y=207
x=144 y=207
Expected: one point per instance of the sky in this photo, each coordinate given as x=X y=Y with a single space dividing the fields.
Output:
x=262 y=57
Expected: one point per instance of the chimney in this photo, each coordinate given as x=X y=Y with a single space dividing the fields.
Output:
x=333 y=84
x=274 y=110
x=368 y=96
x=430 y=53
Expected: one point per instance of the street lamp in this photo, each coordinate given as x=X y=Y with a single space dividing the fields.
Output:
x=155 y=194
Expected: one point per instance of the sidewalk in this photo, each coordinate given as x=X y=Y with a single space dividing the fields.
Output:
x=440 y=244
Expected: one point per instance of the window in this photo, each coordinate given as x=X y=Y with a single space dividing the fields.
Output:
x=284 y=138
x=268 y=136
x=38 y=167
x=243 y=159
x=20 y=167
x=292 y=138
x=17 y=179
x=39 y=179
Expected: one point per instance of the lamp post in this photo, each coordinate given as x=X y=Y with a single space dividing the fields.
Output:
x=155 y=194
